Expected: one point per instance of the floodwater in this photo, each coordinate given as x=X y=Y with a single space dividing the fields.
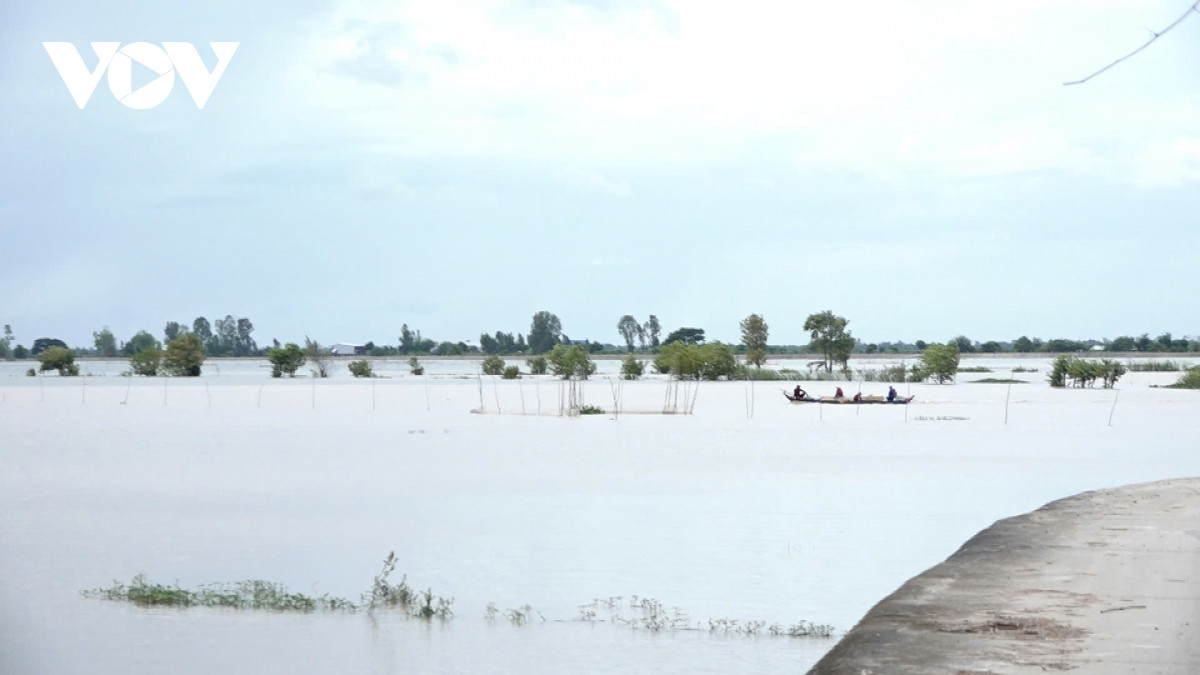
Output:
x=749 y=509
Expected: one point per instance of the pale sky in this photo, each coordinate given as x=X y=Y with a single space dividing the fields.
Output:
x=917 y=167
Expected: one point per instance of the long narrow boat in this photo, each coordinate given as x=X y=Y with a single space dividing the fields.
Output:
x=863 y=400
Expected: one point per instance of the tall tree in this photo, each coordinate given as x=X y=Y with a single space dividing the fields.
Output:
x=201 y=328
x=172 y=330
x=245 y=345
x=830 y=338
x=628 y=328
x=105 y=341
x=6 y=351
x=408 y=339
x=653 y=327
x=965 y=344
x=545 y=331
x=754 y=336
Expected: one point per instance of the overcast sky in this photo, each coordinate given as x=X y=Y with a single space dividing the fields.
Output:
x=917 y=167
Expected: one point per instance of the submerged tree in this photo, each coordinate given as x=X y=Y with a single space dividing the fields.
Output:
x=830 y=338
x=185 y=355
x=317 y=356
x=754 y=336
x=939 y=362
x=285 y=360
x=60 y=359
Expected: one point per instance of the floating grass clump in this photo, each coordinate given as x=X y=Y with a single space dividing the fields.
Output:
x=650 y=614
x=254 y=594
x=1022 y=369
x=264 y=595
x=1152 y=366
x=999 y=380
x=975 y=369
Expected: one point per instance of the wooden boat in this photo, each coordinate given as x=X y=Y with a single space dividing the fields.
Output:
x=863 y=400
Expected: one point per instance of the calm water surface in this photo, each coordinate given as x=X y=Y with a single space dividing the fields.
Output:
x=794 y=513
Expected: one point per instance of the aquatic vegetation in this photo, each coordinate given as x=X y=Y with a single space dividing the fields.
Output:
x=1153 y=366
x=254 y=594
x=1188 y=380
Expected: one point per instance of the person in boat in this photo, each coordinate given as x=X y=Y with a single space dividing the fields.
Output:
x=799 y=393
x=858 y=397
x=838 y=393
x=891 y=394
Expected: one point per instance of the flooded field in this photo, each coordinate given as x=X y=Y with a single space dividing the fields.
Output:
x=750 y=509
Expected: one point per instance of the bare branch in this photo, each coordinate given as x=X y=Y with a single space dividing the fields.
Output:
x=1194 y=8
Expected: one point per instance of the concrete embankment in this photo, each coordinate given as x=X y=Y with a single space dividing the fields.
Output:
x=1102 y=582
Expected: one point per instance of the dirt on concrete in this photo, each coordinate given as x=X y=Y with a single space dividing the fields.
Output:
x=1102 y=582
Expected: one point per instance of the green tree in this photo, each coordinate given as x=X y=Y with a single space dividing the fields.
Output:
x=964 y=344
x=172 y=330
x=285 y=360
x=317 y=356
x=632 y=368
x=6 y=348
x=688 y=336
x=185 y=356
x=572 y=362
x=60 y=359
x=830 y=338
x=202 y=328
x=537 y=365
x=360 y=368
x=1023 y=345
x=717 y=361
x=754 y=337
x=42 y=344
x=492 y=365
x=545 y=331
x=940 y=362
x=20 y=352
x=628 y=328
x=105 y=341
x=652 y=328
x=146 y=361
x=1124 y=343
x=408 y=339
x=990 y=347
x=140 y=342
x=488 y=344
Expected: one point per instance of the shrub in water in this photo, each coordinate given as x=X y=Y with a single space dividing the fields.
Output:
x=492 y=365
x=360 y=368
x=511 y=373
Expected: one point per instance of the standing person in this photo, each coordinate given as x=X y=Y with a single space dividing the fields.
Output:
x=892 y=394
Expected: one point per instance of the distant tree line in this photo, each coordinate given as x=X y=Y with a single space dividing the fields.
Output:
x=829 y=338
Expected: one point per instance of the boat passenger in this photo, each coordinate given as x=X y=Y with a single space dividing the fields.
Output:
x=838 y=393
x=799 y=393
x=858 y=397
x=891 y=394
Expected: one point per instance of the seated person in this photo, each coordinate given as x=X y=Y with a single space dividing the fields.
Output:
x=799 y=393
x=838 y=393
x=858 y=397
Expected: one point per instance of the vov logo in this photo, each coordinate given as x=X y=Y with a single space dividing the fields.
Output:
x=117 y=61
